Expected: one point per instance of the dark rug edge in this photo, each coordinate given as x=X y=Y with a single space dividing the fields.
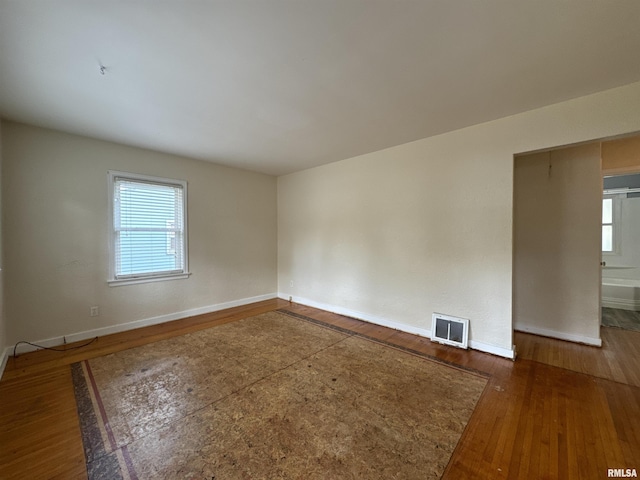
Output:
x=100 y=464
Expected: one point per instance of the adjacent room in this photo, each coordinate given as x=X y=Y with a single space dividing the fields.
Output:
x=620 y=241
x=319 y=239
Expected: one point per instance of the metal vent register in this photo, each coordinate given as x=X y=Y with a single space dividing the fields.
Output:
x=450 y=330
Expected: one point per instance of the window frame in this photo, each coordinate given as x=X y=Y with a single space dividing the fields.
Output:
x=113 y=280
x=616 y=201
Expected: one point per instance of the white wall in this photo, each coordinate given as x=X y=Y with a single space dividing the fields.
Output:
x=3 y=328
x=54 y=194
x=397 y=234
x=557 y=242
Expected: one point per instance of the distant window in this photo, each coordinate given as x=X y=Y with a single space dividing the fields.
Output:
x=148 y=234
x=607 y=225
x=611 y=206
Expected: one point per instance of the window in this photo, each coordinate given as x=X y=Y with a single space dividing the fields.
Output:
x=148 y=228
x=611 y=207
x=607 y=225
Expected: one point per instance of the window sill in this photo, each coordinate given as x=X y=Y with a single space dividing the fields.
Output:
x=156 y=278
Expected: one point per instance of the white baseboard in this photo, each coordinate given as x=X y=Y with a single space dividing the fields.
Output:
x=483 y=347
x=509 y=353
x=423 y=332
x=597 y=342
x=100 y=332
x=621 y=303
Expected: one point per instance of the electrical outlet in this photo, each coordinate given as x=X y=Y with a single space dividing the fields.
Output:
x=95 y=311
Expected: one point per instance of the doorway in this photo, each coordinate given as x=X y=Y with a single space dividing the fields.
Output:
x=557 y=274
x=621 y=234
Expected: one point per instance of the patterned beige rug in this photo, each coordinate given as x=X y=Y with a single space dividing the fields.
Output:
x=272 y=396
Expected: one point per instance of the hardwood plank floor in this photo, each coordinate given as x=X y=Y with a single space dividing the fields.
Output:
x=39 y=427
x=618 y=359
x=561 y=410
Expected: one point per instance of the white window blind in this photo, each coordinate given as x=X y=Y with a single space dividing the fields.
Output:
x=148 y=227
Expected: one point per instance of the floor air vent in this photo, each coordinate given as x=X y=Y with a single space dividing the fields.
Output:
x=450 y=330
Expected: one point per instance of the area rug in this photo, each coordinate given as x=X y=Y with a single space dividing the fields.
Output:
x=271 y=396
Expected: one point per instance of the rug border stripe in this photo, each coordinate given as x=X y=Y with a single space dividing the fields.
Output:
x=100 y=405
x=123 y=451
x=128 y=463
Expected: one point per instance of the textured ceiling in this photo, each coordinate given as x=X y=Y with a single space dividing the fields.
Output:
x=277 y=86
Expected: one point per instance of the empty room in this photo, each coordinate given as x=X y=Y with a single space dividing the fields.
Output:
x=319 y=239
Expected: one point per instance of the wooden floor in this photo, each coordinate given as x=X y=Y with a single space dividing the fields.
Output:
x=617 y=360
x=560 y=411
